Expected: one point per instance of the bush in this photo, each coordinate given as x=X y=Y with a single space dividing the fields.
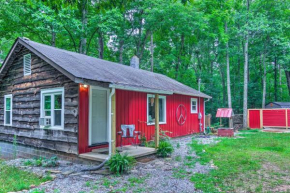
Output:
x=120 y=164
x=165 y=149
x=44 y=162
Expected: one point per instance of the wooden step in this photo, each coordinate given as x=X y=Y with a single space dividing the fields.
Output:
x=101 y=150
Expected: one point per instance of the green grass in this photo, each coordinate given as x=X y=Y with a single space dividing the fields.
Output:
x=256 y=162
x=13 y=179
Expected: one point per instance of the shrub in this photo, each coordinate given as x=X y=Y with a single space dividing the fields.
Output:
x=120 y=164
x=44 y=162
x=165 y=149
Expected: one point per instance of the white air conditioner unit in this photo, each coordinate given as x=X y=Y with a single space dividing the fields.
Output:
x=44 y=121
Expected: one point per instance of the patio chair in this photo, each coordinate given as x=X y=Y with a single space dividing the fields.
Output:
x=128 y=132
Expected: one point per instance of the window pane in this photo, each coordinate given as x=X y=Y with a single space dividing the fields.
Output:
x=57 y=117
x=47 y=102
x=47 y=113
x=161 y=110
x=193 y=105
x=57 y=102
x=8 y=104
x=7 y=117
x=151 y=109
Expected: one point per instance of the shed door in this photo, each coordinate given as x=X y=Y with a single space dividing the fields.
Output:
x=99 y=117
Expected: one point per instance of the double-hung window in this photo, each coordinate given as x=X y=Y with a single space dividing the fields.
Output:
x=151 y=109
x=8 y=110
x=193 y=105
x=52 y=107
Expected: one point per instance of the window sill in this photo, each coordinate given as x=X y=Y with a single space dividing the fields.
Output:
x=193 y=112
x=161 y=123
x=52 y=128
x=6 y=125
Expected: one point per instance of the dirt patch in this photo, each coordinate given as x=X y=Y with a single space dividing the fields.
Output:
x=146 y=159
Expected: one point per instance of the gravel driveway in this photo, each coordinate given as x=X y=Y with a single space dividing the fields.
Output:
x=150 y=174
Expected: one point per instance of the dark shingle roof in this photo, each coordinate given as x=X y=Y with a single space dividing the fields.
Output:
x=281 y=104
x=85 y=67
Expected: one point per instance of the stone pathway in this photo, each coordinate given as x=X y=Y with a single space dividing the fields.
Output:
x=150 y=174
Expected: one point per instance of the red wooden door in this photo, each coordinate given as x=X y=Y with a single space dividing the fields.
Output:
x=254 y=119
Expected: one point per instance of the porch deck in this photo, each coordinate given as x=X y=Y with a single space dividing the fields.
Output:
x=102 y=154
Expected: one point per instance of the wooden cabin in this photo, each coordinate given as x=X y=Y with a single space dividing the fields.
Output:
x=68 y=102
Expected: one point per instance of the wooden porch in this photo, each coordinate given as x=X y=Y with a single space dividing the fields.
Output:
x=102 y=153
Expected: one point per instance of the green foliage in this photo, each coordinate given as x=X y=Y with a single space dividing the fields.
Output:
x=150 y=144
x=188 y=46
x=44 y=162
x=143 y=140
x=13 y=179
x=248 y=158
x=178 y=145
x=120 y=164
x=165 y=149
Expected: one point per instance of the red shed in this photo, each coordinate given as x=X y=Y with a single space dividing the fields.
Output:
x=94 y=104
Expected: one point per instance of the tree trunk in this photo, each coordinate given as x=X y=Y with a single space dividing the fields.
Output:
x=264 y=80
x=101 y=45
x=275 y=79
x=152 y=53
x=121 y=49
x=287 y=73
x=84 y=28
x=245 y=103
x=228 y=76
x=223 y=84
x=53 y=36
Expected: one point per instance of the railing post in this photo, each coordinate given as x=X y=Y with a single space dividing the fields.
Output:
x=261 y=119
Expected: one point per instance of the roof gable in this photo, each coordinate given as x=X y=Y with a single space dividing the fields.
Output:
x=82 y=68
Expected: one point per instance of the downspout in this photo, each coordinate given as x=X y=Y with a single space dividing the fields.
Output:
x=110 y=121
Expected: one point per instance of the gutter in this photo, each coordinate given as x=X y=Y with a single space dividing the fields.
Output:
x=130 y=88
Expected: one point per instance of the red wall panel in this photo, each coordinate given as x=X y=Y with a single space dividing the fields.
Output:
x=288 y=113
x=274 y=117
x=254 y=119
x=83 y=118
x=131 y=108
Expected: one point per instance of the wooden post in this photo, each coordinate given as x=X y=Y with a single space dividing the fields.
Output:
x=156 y=120
x=286 y=118
x=113 y=125
x=248 y=118
x=261 y=119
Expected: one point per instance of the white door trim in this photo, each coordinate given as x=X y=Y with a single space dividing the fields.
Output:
x=90 y=110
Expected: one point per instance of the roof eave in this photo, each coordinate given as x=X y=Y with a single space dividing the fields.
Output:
x=139 y=89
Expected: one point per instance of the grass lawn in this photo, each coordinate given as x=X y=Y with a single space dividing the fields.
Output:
x=14 y=179
x=256 y=162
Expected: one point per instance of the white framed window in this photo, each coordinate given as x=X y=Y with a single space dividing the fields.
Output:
x=8 y=110
x=151 y=109
x=27 y=64
x=52 y=107
x=193 y=105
